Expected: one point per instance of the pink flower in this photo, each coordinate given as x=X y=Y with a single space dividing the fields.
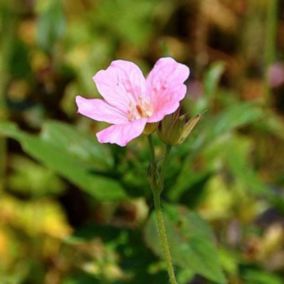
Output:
x=276 y=75
x=130 y=101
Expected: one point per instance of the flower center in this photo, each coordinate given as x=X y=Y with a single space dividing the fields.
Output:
x=142 y=109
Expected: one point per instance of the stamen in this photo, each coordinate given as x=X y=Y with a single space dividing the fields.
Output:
x=140 y=110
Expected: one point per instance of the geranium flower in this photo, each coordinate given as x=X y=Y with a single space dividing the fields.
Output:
x=130 y=101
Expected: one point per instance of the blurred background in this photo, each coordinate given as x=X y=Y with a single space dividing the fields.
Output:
x=73 y=211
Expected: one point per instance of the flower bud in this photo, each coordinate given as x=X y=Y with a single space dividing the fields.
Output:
x=175 y=128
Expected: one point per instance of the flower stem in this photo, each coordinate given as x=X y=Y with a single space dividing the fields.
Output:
x=152 y=149
x=157 y=185
x=163 y=166
x=163 y=237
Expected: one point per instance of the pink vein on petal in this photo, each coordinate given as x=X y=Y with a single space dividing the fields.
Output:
x=165 y=83
x=121 y=84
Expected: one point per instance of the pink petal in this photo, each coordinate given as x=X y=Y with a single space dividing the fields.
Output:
x=165 y=84
x=122 y=134
x=121 y=84
x=99 y=110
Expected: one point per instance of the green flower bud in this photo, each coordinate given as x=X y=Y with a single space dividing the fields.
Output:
x=175 y=128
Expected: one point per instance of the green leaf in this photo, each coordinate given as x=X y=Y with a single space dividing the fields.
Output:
x=10 y=129
x=231 y=118
x=212 y=78
x=61 y=159
x=81 y=278
x=261 y=277
x=134 y=23
x=191 y=242
x=211 y=129
x=210 y=83
x=80 y=145
x=30 y=178
x=19 y=65
x=237 y=152
x=51 y=23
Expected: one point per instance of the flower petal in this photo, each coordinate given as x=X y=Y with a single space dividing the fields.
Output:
x=99 y=110
x=122 y=134
x=121 y=84
x=165 y=84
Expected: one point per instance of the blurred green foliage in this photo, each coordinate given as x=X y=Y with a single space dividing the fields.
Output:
x=75 y=211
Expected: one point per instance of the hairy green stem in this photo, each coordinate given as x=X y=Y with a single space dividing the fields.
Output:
x=157 y=185
x=152 y=149
x=163 y=166
x=163 y=237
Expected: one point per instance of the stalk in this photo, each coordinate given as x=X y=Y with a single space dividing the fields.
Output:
x=157 y=186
